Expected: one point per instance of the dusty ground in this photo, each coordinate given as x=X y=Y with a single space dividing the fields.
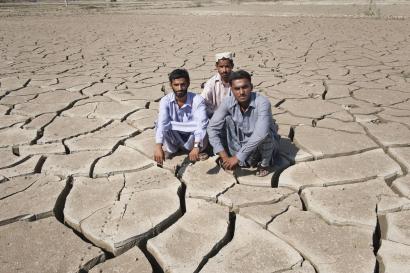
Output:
x=79 y=92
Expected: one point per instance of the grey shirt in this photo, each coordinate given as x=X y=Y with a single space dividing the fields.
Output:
x=252 y=126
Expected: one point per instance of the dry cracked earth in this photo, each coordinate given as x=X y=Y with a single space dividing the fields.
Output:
x=79 y=191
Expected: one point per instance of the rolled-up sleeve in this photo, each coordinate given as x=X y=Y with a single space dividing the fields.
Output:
x=200 y=117
x=216 y=126
x=163 y=120
x=260 y=132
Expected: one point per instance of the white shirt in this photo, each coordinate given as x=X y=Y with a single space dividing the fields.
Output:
x=214 y=92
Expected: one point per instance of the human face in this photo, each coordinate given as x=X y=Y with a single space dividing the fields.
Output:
x=180 y=87
x=241 y=89
x=224 y=67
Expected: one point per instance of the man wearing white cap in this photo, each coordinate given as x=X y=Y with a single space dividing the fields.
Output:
x=217 y=87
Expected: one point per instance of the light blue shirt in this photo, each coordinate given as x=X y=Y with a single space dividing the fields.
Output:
x=190 y=118
x=251 y=126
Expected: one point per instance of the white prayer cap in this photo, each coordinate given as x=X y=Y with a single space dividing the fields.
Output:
x=224 y=55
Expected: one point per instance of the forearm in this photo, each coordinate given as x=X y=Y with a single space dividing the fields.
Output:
x=215 y=140
x=223 y=154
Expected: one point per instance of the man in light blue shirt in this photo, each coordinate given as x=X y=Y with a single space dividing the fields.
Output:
x=182 y=121
x=242 y=131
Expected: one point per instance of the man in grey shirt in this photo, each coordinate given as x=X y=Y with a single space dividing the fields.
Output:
x=242 y=131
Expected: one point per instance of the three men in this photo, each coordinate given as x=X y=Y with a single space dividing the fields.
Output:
x=241 y=131
x=217 y=87
x=182 y=121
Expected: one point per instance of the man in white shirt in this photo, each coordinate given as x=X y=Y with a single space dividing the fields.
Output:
x=217 y=87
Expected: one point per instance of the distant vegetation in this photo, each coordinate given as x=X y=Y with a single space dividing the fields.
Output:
x=372 y=9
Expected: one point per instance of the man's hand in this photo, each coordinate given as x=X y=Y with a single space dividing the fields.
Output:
x=194 y=154
x=230 y=163
x=159 y=155
x=223 y=155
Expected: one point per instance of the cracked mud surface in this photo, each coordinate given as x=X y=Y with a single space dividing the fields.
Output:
x=79 y=191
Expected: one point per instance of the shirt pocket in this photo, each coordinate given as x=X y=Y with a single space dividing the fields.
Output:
x=247 y=129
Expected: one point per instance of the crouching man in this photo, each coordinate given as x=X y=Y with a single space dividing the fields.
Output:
x=182 y=121
x=242 y=131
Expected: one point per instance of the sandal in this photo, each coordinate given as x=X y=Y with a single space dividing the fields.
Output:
x=262 y=171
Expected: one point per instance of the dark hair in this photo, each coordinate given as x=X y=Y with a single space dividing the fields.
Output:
x=230 y=61
x=240 y=74
x=177 y=74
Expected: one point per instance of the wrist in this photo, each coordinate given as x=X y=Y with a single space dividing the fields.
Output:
x=223 y=155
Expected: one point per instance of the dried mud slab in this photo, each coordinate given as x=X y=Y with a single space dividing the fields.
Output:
x=133 y=208
x=143 y=142
x=206 y=180
x=296 y=89
x=143 y=119
x=12 y=83
x=76 y=164
x=350 y=204
x=393 y=257
x=330 y=248
x=389 y=133
x=403 y=155
x=42 y=149
x=253 y=249
x=89 y=195
x=132 y=96
x=51 y=247
x=338 y=125
x=10 y=120
x=132 y=261
x=323 y=143
x=266 y=213
x=378 y=96
x=311 y=108
x=64 y=127
x=402 y=186
x=395 y=226
x=186 y=244
x=8 y=159
x=29 y=196
x=16 y=136
x=124 y=159
x=244 y=196
x=391 y=203
x=291 y=152
x=103 y=110
x=29 y=166
x=105 y=139
x=354 y=168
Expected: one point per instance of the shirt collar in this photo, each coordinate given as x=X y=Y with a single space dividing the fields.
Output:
x=189 y=99
x=219 y=79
